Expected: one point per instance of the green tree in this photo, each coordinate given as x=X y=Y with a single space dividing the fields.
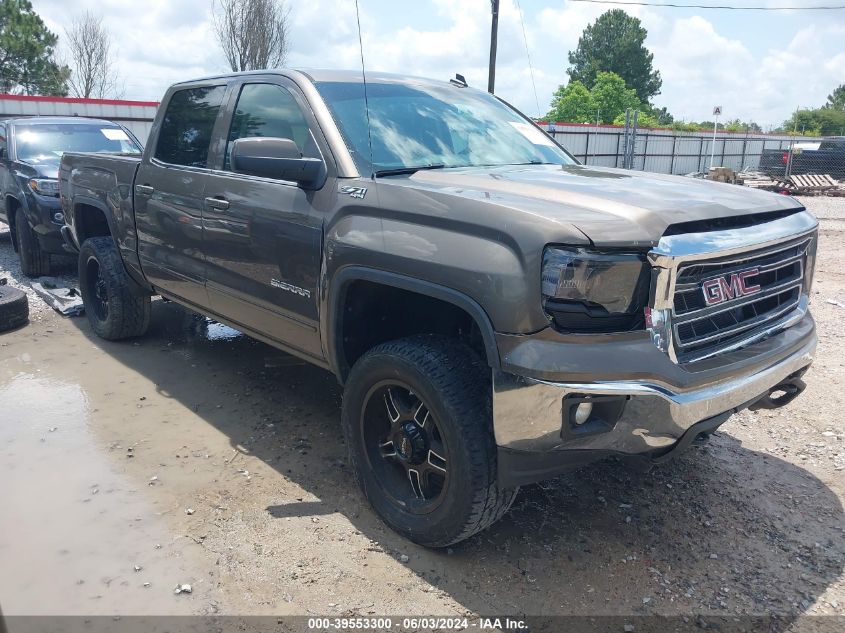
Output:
x=685 y=126
x=644 y=120
x=662 y=115
x=27 y=52
x=573 y=103
x=738 y=125
x=608 y=98
x=612 y=97
x=614 y=43
x=819 y=122
x=836 y=99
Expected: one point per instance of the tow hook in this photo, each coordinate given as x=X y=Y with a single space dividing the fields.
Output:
x=780 y=395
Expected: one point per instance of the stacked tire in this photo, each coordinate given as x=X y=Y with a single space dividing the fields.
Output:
x=14 y=308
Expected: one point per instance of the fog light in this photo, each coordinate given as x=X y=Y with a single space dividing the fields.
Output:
x=582 y=413
x=59 y=218
x=658 y=324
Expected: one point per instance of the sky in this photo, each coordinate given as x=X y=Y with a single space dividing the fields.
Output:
x=759 y=66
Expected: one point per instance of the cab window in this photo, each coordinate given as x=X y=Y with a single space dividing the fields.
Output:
x=267 y=110
x=185 y=135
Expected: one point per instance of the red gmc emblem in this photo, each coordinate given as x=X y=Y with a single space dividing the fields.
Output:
x=721 y=289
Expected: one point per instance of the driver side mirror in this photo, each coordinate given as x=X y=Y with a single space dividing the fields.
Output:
x=277 y=158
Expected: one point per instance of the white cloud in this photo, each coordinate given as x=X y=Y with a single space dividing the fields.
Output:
x=699 y=68
x=702 y=68
x=156 y=42
x=160 y=41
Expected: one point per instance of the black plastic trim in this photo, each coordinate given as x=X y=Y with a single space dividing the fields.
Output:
x=343 y=278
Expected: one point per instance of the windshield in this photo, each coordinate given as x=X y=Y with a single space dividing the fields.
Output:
x=48 y=141
x=427 y=125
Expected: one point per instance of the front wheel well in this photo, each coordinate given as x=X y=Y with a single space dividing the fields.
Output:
x=375 y=313
x=12 y=207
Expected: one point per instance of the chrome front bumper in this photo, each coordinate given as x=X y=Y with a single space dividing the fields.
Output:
x=528 y=414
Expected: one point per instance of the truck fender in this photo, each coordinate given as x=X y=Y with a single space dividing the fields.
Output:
x=335 y=299
x=8 y=202
x=114 y=232
x=97 y=204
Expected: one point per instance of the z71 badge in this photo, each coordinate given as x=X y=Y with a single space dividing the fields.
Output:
x=354 y=192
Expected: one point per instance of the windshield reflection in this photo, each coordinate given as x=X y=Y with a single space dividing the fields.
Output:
x=420 y=124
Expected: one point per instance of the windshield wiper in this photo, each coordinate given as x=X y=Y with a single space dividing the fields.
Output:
x=398 y=171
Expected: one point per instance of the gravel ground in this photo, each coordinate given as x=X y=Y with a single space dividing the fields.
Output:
x=64 y=269
x=197 y=417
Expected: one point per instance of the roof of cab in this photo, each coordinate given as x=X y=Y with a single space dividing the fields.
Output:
x=322 y=74
x=43 y=120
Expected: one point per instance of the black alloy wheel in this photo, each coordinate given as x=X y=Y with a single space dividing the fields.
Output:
x=405 y=446
x=417 y=417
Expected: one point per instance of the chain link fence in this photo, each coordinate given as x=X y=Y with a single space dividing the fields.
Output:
x=819 y=157
x=676 y=152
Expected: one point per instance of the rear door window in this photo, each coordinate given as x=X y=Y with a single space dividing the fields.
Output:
x=185 y=135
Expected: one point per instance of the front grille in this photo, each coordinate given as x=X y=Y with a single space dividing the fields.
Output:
x=701 y=330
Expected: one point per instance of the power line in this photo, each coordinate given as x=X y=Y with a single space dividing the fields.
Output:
x=528 y=54
x=725 y=7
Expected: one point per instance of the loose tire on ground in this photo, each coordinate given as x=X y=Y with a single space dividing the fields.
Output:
x=14 y=308
x=115 y=311
x=34 y=261
x=436 y=391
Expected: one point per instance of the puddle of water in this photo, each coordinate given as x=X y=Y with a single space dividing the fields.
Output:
x=72 y=528
x=218 y=332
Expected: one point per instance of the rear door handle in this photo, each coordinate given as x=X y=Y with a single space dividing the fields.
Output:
x=217 y=203
x=144 y=190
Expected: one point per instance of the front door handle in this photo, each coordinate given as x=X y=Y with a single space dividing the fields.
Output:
x=144 y=190
x=221 y=204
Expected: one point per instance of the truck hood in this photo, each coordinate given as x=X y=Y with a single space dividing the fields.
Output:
x=610 y=206
x=47 y=167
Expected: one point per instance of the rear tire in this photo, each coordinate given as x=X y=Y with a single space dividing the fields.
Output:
x=34 y=261
x=14 y=308
x=114 y=310
x=417 y=415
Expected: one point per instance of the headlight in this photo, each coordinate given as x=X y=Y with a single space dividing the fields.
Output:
x=44 y=186
x=588 y=291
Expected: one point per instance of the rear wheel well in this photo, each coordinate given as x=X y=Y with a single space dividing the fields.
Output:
x=375 y=313
x=89 y=222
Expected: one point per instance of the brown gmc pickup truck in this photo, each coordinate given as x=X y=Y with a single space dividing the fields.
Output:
x=497 y=313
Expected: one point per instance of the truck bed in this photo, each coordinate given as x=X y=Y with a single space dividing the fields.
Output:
x=104 y=181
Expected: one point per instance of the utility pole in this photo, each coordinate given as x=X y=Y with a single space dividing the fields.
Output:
x=494 y=38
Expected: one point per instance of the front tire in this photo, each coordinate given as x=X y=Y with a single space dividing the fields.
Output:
x=417 y=415
x=114 y=311
x=34 y=261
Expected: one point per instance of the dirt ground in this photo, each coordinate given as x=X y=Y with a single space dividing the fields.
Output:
x=198 y=456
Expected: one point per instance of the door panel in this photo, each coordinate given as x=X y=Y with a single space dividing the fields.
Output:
x=263 y=258
x=263 y=251
x=169 y=223
x=169 y=196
